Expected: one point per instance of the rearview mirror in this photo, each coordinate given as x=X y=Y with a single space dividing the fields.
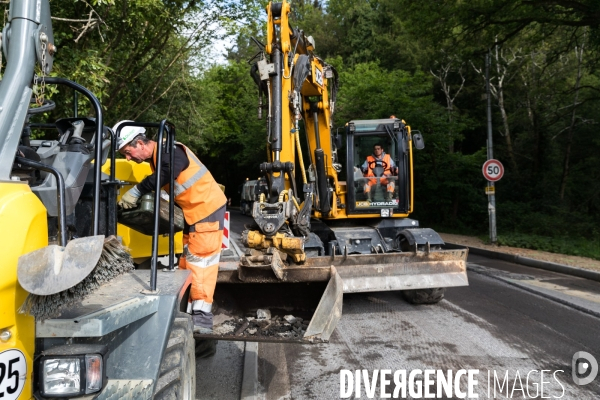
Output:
x=418 y=141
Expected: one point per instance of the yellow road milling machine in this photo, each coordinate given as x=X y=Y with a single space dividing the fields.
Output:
x=101 y=328
x=310 y=226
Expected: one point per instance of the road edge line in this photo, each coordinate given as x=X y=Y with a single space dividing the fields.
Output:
x=530 y=262
x=250 y=373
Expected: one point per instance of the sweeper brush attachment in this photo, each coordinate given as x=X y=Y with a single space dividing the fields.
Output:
x=114 y=261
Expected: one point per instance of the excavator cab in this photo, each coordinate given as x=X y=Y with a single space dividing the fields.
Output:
x=378 y=183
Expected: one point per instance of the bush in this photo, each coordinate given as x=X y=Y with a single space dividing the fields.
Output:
x=583 y=247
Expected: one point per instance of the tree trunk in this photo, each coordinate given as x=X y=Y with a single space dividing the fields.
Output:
x=506 y=134
x=501 y=75
x=565 y=174
x=533 y=118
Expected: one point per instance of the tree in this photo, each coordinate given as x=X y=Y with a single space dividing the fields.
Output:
x=443 y=71
x=484 y=21
x=502 y=73
x=132 y=53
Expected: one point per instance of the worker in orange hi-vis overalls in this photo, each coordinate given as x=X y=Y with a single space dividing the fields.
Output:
x=203 y=204
x=377 y=167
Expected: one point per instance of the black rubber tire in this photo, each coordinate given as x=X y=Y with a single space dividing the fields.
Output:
x=424 y=296
x=177 y=376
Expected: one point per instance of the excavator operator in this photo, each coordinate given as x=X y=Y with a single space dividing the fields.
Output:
x=377 y=167
x=203 y=205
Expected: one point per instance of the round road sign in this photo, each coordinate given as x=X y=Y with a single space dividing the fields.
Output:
x=493 y=170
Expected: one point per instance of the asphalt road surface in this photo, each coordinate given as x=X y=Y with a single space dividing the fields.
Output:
x=515 y=329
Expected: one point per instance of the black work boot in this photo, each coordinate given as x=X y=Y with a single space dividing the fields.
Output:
x=203 y=324
x=206 y=347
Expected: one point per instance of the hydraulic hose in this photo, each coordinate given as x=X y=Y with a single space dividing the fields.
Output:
x=300 y=159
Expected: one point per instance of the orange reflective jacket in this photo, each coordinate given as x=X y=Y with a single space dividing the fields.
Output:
x=196 y=191
x=371 y=163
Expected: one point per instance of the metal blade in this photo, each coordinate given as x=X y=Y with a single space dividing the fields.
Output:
x=53 y=268
x=277 y=264
x=328 y=312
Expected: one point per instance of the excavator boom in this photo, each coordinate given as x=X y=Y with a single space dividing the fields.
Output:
x=321 y=209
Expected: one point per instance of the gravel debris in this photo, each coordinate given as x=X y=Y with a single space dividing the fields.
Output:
x=263 y=314
x=274 y=327
x=289 y=318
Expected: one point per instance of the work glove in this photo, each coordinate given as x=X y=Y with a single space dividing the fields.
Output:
x=130 y=198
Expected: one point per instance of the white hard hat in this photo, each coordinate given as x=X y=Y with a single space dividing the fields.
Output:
x=128 y=133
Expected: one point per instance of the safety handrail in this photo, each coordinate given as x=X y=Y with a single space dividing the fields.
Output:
x=60 y=195
x=98 y=145
x=170 y=129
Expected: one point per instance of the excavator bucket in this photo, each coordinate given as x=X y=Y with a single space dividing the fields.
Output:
x=400 y=271
x=54 y=268
x=272 y=310
x=302 y=303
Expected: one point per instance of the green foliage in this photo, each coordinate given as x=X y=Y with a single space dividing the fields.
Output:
x=368 y=91
x=228 y=136
x=449 y=190
x=133 y=54
x=421 y=61
x=361 y=32
x=483 y=21
x=575 y=246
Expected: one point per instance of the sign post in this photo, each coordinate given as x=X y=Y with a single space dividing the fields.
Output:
x=493 y=171
x=490 y=154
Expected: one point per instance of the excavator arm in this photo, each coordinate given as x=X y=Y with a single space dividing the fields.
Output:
x=295 y=82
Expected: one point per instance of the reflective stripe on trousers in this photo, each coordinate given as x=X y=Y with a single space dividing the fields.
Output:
x=199 y=305
x=202 y=252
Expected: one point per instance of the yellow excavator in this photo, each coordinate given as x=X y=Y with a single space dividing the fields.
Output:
x=325 y=222
x=324 y=208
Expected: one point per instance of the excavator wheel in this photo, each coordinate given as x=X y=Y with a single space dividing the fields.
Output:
x=424 y=296
x=177 y=376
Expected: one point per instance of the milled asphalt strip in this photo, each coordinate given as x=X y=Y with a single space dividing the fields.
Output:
x=250 y=374
x=530 y=262
x=555 y=294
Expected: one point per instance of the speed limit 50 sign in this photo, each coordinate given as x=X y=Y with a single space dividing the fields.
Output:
x=493 y=170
